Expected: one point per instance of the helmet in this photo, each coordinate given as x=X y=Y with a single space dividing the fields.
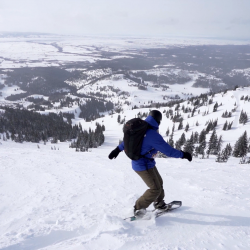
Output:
x=156 y=115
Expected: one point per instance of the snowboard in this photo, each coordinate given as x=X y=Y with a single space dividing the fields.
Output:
x=157 y=212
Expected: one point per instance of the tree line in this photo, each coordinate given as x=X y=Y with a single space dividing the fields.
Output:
x=198 y=144
x=23 y=125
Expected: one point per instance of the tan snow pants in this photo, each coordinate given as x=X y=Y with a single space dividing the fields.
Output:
x=153 y=180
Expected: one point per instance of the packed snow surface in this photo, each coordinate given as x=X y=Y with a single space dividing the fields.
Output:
x=60 y=199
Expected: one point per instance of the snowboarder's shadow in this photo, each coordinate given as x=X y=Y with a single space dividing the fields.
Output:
x=189 y=217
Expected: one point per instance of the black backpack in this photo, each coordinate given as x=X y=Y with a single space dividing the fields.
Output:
x=134 y=131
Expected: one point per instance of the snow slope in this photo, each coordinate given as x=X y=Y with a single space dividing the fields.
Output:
x=63 y=200
x=60 y=199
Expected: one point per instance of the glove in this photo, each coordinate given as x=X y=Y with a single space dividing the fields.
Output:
x=114 y=153
x=187 y=156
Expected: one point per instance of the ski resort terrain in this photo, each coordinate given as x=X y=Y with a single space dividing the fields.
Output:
x=53 y=197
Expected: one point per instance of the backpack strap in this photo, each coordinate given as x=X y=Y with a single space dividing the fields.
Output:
x=143 y=156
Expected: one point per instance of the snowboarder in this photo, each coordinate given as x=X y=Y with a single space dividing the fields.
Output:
x=145 y=167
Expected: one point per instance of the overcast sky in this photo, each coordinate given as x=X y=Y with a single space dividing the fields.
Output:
x=199 y=18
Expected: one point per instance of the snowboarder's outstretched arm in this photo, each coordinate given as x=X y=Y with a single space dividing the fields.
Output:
x=161 y=145
x=114 y=153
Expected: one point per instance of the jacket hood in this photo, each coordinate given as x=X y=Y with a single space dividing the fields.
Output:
x=152 y=122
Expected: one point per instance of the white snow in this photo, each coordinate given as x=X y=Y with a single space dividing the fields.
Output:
x=10 y=90
x=60 y=199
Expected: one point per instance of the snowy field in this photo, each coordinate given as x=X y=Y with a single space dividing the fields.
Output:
x=61 y=199
x=56 y=50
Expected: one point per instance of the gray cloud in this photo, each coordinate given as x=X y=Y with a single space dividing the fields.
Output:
x=131 y=17
x=169 y=21
x=241 y=21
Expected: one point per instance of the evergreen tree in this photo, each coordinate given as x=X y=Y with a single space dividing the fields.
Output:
x=229 y=125
x=94 y=140
x=215 y=123
x=222 y=156
x=180 y=125
x=189 y=146
x=167 y=132
x=180 y=142
x=173 y=128
x=178 y=145
x=101 y=139
x=219 y=144
x=209 y=127
x=196 y=137
x=202 y=142
x=215 y=107
x=241 y=146
x=243 y=117
x=187 y=127
x=202 y=136
x=196 y=151
x=212 y=144
x=177 y=106
x=193 y=111
x=225 y=126
x=171 y=140
x=183 y=139
x=202 y=147
x=218 y=158
x=192 y=137
x=225 y=155
x=82 y=147
x=19 y=138
x=228 y=149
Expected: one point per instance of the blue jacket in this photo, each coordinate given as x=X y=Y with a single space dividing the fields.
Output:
x=152 y=141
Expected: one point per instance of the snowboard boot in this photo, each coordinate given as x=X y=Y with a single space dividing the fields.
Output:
x=161 y=205
x=140 y=213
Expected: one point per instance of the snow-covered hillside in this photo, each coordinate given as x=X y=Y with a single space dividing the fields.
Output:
x=127 y=92
x=118 y=89
x=55 y=198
